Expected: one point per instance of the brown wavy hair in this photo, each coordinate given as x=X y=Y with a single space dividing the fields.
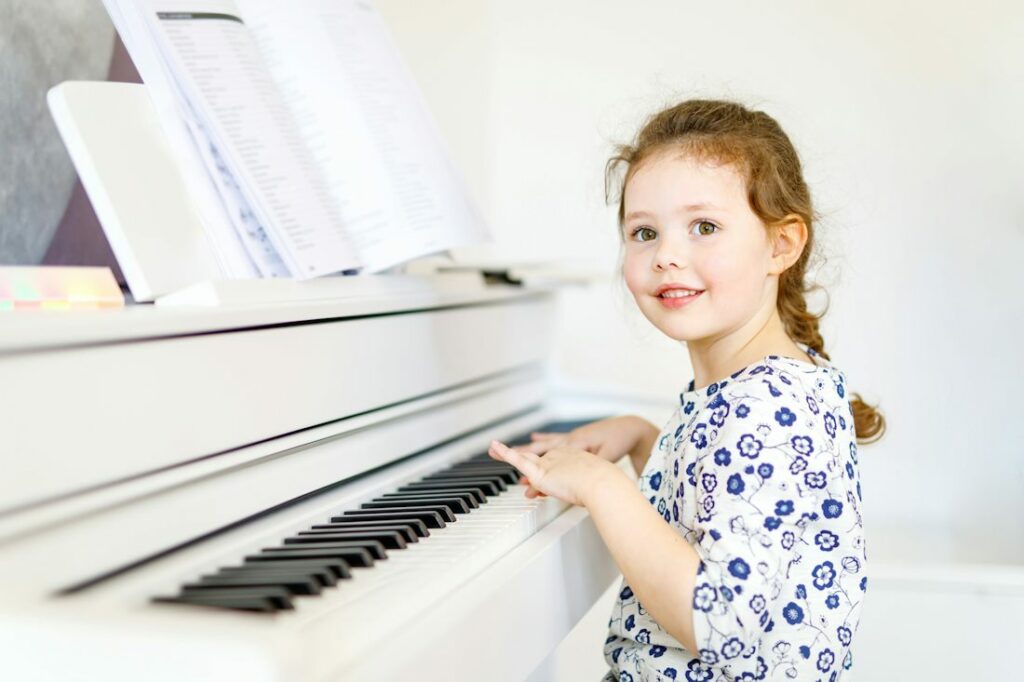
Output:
x=728 y=132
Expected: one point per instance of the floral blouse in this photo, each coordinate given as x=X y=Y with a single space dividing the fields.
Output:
x=758 y=472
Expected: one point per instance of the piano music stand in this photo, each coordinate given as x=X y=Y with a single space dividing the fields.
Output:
x=113 y=135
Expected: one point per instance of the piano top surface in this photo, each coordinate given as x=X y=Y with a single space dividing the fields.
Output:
x=35 y=330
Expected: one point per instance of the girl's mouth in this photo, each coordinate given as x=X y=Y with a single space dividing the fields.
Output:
x=677 y=298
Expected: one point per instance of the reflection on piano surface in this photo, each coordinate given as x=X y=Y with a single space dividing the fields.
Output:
x=285 y=492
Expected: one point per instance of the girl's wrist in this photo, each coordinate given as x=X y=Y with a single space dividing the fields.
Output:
x=605 y=479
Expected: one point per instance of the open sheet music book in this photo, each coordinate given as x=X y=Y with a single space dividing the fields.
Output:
x=301 y=134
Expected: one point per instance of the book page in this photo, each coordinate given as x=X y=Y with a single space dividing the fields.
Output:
x=220 y=71
x=233 y=257
x=366 y=126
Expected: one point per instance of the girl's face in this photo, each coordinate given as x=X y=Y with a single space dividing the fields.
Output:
x=688 y=224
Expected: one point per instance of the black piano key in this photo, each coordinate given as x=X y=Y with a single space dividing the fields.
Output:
x=508 y=476
x=468 y=498
x=487 y=487
x=353 y=556
x=418 y=527
x=474 y=493
x=455 y=506
x=390 y=539
x=428 y=514
x=234 y=602
x=323 y=577
x=294 y=585
x=406 y=531
x=235 y=597
x=375 y=548
x=337 y=567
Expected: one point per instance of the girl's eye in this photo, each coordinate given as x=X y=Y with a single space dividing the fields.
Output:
x=644 y=234
x=700 y=224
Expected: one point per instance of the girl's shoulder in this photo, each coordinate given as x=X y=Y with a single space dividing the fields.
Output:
x=774 y=383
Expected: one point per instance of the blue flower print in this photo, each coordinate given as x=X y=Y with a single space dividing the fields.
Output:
x=764 y=470
x=630 y=623
x=788 y=539
x=801 y=592
x=825 y=660
x=864 y=584
x=815 y=479
x=849 y=470
x=708 y=481
x=784 y=507
x=802 y=444
x=715 y=535
x=725 y=592
x=812 y=405
x=851 y=564
x=709 y=656
x=853 y=452
x=699 y=438
x=675 y=511
x=704 y=598
x=670 y=673
x=708 y=504
x=832 y=601
x=757 y=603
x=826 y=540
x=689 y=407
x=742 y=411
x=785 y=416
x=732 y=648
x=797 y=465
x=616 y=654
x=734 y=484
x=830 y=425
x=625 y=677
x=749 y=446
x=739 y=568
x=722 y=457
x=656 y=481
x=841 y=390
x=759 y=369
x=805 y=651
x=627 y=593
x=784 y=379
x=657 y=651
x=832 y=509
x=720 y=409
x=644 y=636
x=842 y=422
x=771 y=389
x=824 y=575
x=845 y=635
x=712 y=389
x=772 y=522
x=793 y=613
x=697 y=672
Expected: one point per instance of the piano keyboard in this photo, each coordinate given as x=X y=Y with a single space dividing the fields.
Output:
x=469 y=513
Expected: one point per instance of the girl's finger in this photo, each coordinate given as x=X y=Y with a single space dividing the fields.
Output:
x=525 y=462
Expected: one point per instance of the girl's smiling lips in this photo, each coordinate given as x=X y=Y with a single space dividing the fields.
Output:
x=666 y=296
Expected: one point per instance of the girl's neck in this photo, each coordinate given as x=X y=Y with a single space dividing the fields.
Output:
x=715 y=359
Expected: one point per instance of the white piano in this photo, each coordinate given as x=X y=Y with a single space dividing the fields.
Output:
x=284 y=492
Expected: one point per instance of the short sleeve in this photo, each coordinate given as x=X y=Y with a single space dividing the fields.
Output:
x=757 y=489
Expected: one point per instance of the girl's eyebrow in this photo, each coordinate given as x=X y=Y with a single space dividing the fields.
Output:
x=689 y=208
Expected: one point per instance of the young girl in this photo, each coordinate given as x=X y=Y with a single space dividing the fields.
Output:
x=743 y=550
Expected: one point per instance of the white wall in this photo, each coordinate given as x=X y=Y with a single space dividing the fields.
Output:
x=907 y=116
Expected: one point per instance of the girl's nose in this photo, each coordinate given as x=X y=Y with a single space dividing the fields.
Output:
x=667 y=257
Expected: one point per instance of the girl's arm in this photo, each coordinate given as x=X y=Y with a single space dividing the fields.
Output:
x=641 y=452
x=657 y=563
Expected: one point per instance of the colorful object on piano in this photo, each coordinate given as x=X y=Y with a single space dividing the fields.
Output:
x=58 y=288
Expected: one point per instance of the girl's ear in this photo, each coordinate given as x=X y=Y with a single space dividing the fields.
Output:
x=788 y=236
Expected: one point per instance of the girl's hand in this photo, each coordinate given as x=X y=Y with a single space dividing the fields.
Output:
x=609 y=439
x=569 y=474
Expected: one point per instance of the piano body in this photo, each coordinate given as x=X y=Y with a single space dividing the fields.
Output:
x=284 y=492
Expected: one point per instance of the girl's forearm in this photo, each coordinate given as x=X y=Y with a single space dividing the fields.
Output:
x=641 y=452
x=659 y=565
